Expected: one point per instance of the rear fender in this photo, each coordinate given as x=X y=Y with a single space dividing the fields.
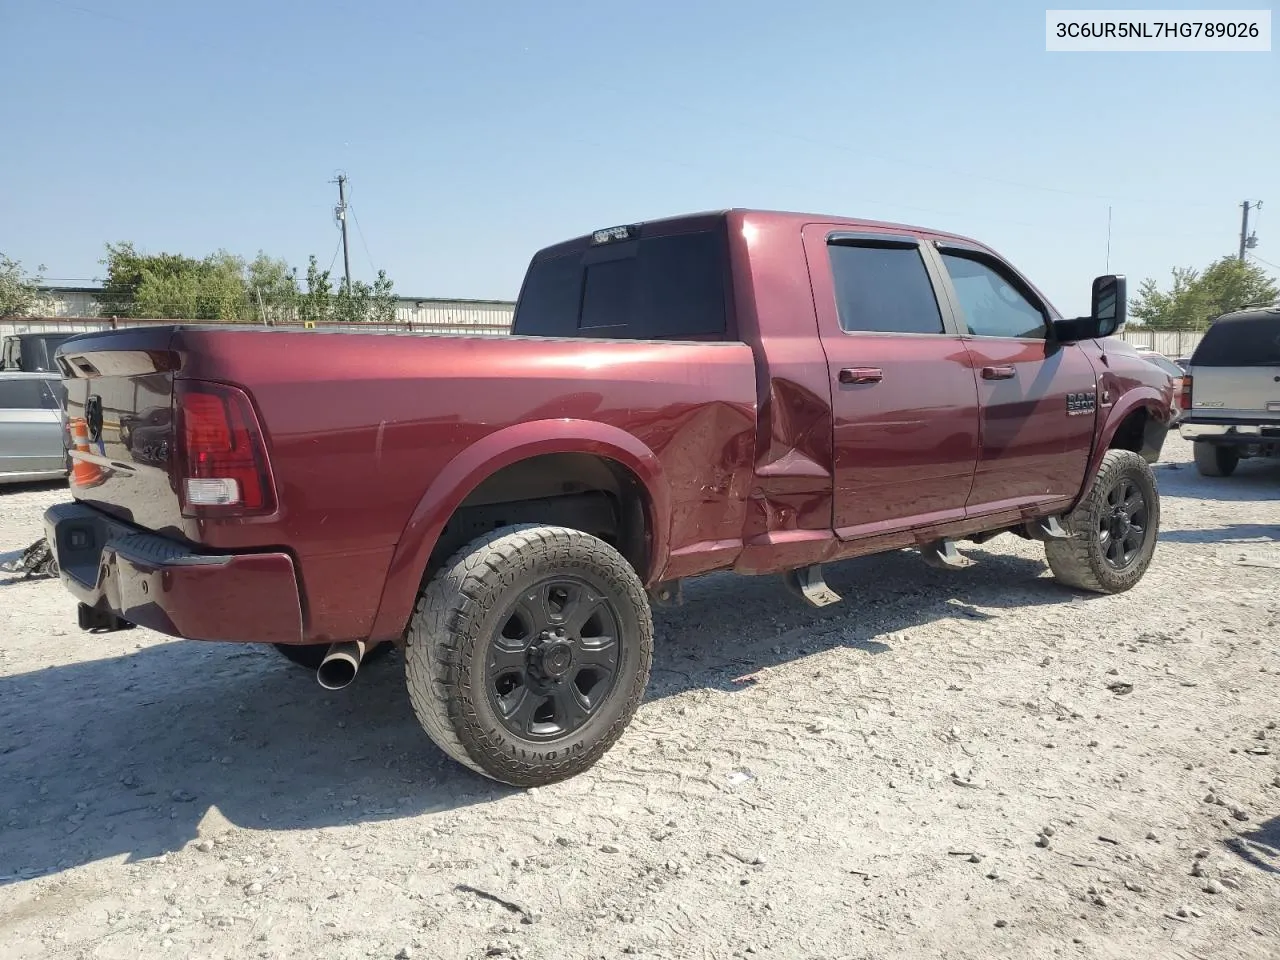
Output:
x=481 y=460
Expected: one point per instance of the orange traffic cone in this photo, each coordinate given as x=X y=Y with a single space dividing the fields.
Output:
x=83 y=473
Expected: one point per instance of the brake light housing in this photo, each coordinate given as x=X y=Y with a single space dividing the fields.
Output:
x=1185 y=398
x=221 y=463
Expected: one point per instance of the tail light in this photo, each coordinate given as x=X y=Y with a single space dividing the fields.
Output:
x=1186 y=393
x=221 y=460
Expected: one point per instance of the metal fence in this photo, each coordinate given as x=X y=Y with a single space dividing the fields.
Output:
x=1171 y=343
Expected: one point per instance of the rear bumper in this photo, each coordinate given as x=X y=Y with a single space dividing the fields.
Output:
x=1233 y=432
x=161 y=584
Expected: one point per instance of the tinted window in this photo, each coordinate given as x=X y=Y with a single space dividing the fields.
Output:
x=550 y=298
x=991 y=305
x=1249 y=341
x=883 y=290
x=22 y=395
x=653 y=288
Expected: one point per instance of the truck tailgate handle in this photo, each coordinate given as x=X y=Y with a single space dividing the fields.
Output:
x=861 y=375
x=998 y=373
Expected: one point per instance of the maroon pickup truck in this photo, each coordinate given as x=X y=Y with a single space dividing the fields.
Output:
x=757 y=392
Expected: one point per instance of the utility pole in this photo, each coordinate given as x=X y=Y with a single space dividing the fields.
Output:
x=1247 y=240
x=341 y=213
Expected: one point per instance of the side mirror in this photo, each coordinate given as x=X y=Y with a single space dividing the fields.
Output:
x=1106 y=313
x=1109 y=304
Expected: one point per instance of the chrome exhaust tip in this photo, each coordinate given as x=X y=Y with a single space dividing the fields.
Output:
x=340 y=664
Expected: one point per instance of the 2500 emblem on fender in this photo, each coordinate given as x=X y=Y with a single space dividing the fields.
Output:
x=1081 y=403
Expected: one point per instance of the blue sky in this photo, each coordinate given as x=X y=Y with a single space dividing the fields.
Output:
x=475 y=133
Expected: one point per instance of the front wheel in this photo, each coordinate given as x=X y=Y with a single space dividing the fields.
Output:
x=1213 y=460
x=1113 y=530
x=528 y=653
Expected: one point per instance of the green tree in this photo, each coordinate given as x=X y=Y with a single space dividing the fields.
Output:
x=273 y=287
x=1195 y=298
x=383 y=305
x=19 y=292
x=317 y=300
x=223 y=286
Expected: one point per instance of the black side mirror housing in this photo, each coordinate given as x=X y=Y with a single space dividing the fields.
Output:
x=1107 y=312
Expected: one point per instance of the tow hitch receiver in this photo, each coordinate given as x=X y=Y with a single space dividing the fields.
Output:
x=100 y=621
x=809 y=585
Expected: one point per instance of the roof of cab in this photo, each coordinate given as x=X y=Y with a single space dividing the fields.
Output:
x=749 y=214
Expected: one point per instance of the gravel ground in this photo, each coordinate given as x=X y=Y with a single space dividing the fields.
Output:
x=966 y=764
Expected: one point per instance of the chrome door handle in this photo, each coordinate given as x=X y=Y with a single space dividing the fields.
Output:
x=861 y=375
x=998 y=373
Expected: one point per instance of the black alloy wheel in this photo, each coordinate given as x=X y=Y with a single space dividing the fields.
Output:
x=554 y=659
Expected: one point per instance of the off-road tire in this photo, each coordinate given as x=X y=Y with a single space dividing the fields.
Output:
x=1079 y=561
x=309 y=655
x=1213 y=460
x=457 y=615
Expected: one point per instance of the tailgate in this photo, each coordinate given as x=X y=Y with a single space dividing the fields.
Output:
x=1243 y=393
x=119 y=387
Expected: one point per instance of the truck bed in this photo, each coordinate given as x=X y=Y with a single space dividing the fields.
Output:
x=359 y=427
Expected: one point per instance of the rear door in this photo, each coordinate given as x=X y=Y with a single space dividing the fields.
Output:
x=1037 y=398
x=1235 y=371
x=32 y=438
x=903 y=399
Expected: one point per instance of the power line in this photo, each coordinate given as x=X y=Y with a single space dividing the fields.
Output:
x=364 y=243
x=1273 y=266
x=334 y=259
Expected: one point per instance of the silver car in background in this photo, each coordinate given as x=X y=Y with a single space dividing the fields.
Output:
x=33 y=433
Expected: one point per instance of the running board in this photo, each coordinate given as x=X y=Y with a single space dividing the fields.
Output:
x=943 y=555
x=809 y=585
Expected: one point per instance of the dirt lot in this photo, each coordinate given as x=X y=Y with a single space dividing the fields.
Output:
x=948 y=764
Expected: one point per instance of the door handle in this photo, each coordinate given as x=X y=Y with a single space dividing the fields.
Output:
x=998 y=373
x=861 y=375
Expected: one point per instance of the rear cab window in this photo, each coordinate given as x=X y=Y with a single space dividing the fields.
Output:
x=883 y=287
x=1252 y=340
x=650 y=286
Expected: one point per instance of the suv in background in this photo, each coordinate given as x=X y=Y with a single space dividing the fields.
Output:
x=31 y=352
x=1232 y=391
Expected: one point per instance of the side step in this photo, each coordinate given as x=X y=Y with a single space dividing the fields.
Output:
x=1051 y=529
x=808 y=584
x=943 y=555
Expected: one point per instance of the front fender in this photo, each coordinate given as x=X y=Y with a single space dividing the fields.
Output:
x=481 y=460
x=1157 y=407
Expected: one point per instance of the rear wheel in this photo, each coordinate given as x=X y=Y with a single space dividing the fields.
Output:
x=1213 y=460
x=1113 y=530
x=529 y=652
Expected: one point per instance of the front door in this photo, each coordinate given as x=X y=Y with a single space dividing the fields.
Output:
x=903 y=399
x=1037 y=398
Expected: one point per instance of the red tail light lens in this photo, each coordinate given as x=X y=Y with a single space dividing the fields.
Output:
x=1186 y=393
x=222 y=457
